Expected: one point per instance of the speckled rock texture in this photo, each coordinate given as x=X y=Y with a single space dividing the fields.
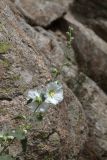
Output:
x=41 y=12
x=91 y=51
x=32 y=42
x=90 y=46
x=90 y=9
x=24 y=65
x=94 y=102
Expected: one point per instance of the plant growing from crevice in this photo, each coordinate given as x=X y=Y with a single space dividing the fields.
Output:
x=38 y=100
x=70 y=37
x=56 y=71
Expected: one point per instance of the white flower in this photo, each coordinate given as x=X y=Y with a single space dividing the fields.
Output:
x=35 y=99
x=43 y=107
x=39 y=100
x=54 y=93
x=37 y=103
x=33 y=94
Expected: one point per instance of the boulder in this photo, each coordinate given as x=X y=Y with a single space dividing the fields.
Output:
x=53 y=48
x=99 y=26
x=42 y=12
x=23 y=66
x=90 y=9
x=94 y=102
x=91 y=16
x=91 y=51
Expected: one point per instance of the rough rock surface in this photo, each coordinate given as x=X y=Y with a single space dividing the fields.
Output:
x=63 y=132
x=90 y=45
x=53 y=48
x=99 y=26
x=94 y=102
x=92 y=18
x=41 y=12
x=28 y=53
x=91 y=51
x=90 y=9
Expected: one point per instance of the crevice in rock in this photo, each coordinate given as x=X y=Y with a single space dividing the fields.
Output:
x=62 y=25
x=102 y=33
x=84 y=67
x=59 y=24
x=10 y=97
x=3 y=98
x=89 y=9
x=30 y=21
x=90 y=16
x=54 y=25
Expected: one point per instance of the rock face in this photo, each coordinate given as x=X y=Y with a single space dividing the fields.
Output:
x=90 y=45
x=94 y=102
x=28 y=52
x=91 y=8
x=23 y=65
x=17 y=69
x=41 y=12
x=91 y=16
x=91 y=51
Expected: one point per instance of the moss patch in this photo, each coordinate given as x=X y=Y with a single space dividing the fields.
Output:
x=4 y=47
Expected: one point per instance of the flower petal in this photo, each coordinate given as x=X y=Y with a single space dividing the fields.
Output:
x=32 y=94
x=58 y=96
x=43 y=107
x=32 y=106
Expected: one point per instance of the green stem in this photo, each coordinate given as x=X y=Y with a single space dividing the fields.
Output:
x=36 y=108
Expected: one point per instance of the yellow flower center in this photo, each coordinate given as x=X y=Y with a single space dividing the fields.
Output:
x=51 y=93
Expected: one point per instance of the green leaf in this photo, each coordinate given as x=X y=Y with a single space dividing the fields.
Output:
x=20 y=117
x=5 y=137
x=69 y=37
x=6 y=157
x=39 y=116
x=4 y=47
x=18 y=134
x=55 y=72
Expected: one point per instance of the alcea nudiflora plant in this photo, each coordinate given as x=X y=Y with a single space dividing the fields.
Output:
x=57 y=71
x=39 y=100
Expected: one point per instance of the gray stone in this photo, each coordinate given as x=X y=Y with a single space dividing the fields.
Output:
x=24 y=66
x=91 y=51
x=94 y=102
x=41 y=12
x=90 y=9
